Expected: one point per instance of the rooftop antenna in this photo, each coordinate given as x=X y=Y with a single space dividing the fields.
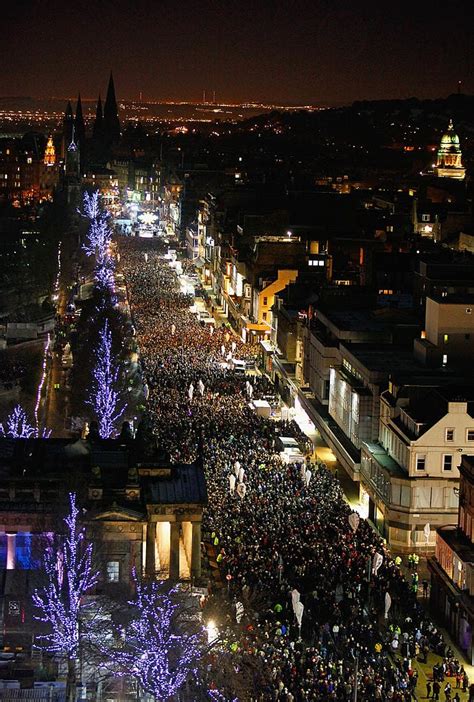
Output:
x=459 y=86
x=204 y=96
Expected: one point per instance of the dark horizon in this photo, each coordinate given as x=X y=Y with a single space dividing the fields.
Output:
x=282 y=52
x=163 y=101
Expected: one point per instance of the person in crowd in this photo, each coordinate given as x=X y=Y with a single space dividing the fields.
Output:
x=281 y=531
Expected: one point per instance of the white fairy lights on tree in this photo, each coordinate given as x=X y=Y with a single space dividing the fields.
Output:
x=98 y=240
x=17 y=426
x=153 y=651
x=60 y=603
x=104 y=398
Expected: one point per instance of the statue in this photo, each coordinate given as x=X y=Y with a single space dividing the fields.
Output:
x=132 y=477
x=96 y=475
x=145 y=439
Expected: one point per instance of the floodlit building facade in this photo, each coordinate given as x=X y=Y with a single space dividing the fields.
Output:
x=449 y=157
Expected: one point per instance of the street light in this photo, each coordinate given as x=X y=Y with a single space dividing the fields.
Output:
x=212 y=631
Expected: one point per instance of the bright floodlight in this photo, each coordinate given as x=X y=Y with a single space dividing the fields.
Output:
x=147 y=218
x=212 y=632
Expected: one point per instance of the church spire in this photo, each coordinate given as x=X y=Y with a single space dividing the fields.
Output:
x=68 y=123
x=68 y=116
x=111 y=118
x=79 y=122
x=99 y=121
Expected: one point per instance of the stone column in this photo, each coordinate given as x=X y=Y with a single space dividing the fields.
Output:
x=174 y=551
x=11 y=551
x=150 y=549
x=196 y=551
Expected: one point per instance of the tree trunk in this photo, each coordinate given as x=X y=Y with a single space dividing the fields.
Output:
x=71 y=680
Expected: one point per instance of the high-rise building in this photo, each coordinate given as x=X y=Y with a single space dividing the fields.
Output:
x=449 y=163
x=111 y=118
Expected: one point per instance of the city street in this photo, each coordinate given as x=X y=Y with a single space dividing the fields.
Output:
x=179 y=353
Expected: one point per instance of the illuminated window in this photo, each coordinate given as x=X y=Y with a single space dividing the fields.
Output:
x=446 y=338
x=425 y=218
x=113 y=571
x=445 y=359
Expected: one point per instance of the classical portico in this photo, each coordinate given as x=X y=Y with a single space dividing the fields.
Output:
x=173 y=542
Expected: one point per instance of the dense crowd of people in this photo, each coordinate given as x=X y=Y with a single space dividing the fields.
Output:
x=282 y=533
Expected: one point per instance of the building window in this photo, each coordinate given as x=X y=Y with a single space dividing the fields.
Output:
x=113 y=571
x=425 y=218
x=264 y=316
x=470 y=434
x=448 y=461
x=265 y=301
x=446 y=338
x=421 y=462
x=445 y=359
x=449 y=435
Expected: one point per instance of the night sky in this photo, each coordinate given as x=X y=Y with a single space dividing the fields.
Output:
x=319 y=52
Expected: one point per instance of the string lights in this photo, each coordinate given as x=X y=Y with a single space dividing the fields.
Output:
x=17 y=426
x=47 y=432
x=104 y=398
x=98 y=241
x=70 y=577
x=153 y=651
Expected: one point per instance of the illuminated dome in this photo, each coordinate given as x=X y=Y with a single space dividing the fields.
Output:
x=450 y=137
x=449 y=161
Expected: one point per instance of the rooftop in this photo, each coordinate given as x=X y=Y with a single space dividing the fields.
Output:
x=56 y=466
x=376 y=320
x=458 y=542
x=383 y=358
x=378 y=452
x=458 y=298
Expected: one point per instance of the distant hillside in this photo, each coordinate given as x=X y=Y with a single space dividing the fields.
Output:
x=378 y=124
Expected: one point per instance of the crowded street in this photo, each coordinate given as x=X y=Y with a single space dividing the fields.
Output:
x=332 y=618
